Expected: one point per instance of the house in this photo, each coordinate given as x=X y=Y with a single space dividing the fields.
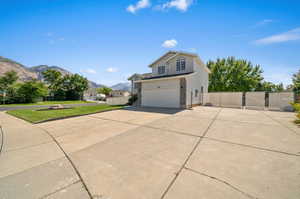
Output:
x=119 y=93
x=178 y=80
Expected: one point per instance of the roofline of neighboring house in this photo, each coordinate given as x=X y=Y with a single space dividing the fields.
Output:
x=175 y=54
x=158 y=78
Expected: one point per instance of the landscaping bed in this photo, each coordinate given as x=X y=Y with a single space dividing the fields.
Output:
x=36 y=116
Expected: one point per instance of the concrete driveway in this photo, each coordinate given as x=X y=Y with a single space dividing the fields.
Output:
x=206 y=152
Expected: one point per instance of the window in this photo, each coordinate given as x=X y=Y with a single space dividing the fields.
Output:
x=180 y=64
x=196 y=93
x=161 y=69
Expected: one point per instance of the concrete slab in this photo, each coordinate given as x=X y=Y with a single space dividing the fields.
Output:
x=20 y=160
x=131 y=116
x=285 y=118
x=83 y=138
x=200 y=112
x=138 y=164
x=188 y=125
x=265 y=136
x=190 y=185
x=72 y=125
x=19 y=134
x=262 y=174
x=74 y=191
x=38 y=181
x=240 y=115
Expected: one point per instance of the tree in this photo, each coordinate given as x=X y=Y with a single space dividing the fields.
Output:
x=74 y=86
x=54 y=80
x=233 y=75
x=6 y=86
x=68 y=87
x=296 y=82
x=104 y=90
x=30 y=91
x=270 y=87
x=8 y=79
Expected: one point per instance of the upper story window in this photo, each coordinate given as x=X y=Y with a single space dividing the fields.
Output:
x=180 y=64
x=161 y=69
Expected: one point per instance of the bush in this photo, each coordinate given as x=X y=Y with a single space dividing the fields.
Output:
x=297 y=108
x=132 y=99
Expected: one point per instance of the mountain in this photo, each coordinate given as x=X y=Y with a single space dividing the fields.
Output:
x=23 y=72
x=126 y=86
x=35 y=72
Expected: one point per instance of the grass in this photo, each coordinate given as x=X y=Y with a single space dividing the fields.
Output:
x=47 y=103
x=297 y=108
x=36 y=116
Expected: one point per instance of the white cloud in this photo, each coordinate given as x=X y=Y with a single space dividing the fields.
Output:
x=291 y=35
x=111 y=70
x=169 y=43
x=263 y=22
x=181 y=5
x=89 y=71
x=139 y=5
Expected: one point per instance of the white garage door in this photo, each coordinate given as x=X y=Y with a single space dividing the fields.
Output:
x=164 y=93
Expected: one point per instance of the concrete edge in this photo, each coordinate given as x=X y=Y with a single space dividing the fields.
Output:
x=61 y=118
x=1 y=139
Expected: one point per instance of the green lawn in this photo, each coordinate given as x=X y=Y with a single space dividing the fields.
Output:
x=47 y=103
x=35 y=116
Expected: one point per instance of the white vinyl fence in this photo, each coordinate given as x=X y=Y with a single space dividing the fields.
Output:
x=117 y=100
x=281 y=101
x=224 y=99
x=252 y=100
x=255 y=100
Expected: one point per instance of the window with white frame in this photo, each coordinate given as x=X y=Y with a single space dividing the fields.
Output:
x=161 y=69
x=180 y=64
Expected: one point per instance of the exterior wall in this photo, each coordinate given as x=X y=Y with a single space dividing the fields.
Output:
x=194 y=82
x=165 y=93
x=255 y=100
x=171 y=65
x=119 y=93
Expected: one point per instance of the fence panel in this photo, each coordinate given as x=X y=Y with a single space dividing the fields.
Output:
x=255 y=100
x=117 y=100
x=213 y=99
x=232 y=99
x=281 y=101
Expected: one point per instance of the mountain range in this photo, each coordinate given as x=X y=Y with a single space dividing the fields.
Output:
x=27 y=73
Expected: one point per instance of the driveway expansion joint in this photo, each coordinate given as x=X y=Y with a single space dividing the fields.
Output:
x=221 y=181
x=250 y=146
x=190 y=154
x=292 y=130
x=60 y=189
x=71 y=162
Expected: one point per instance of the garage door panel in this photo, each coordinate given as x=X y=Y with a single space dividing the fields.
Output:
x=161 y=94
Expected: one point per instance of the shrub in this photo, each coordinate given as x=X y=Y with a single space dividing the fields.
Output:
x=132 y=99
x=297 y=108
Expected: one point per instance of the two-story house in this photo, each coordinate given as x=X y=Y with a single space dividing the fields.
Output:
x=178 y=80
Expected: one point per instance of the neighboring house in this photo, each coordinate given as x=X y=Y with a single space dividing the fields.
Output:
x=119 y=93
x=178 y=80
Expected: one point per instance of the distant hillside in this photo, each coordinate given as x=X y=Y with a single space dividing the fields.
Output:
x=126 y=86
x=23 y=72
x=35 y=72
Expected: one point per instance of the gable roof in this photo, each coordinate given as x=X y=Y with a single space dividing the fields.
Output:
x=175 y=53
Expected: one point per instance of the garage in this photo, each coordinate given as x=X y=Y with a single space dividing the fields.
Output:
x=161 y=93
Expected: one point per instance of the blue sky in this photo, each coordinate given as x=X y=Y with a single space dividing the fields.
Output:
x=107 y=40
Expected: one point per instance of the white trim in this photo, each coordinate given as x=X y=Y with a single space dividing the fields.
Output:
x=165 y=78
